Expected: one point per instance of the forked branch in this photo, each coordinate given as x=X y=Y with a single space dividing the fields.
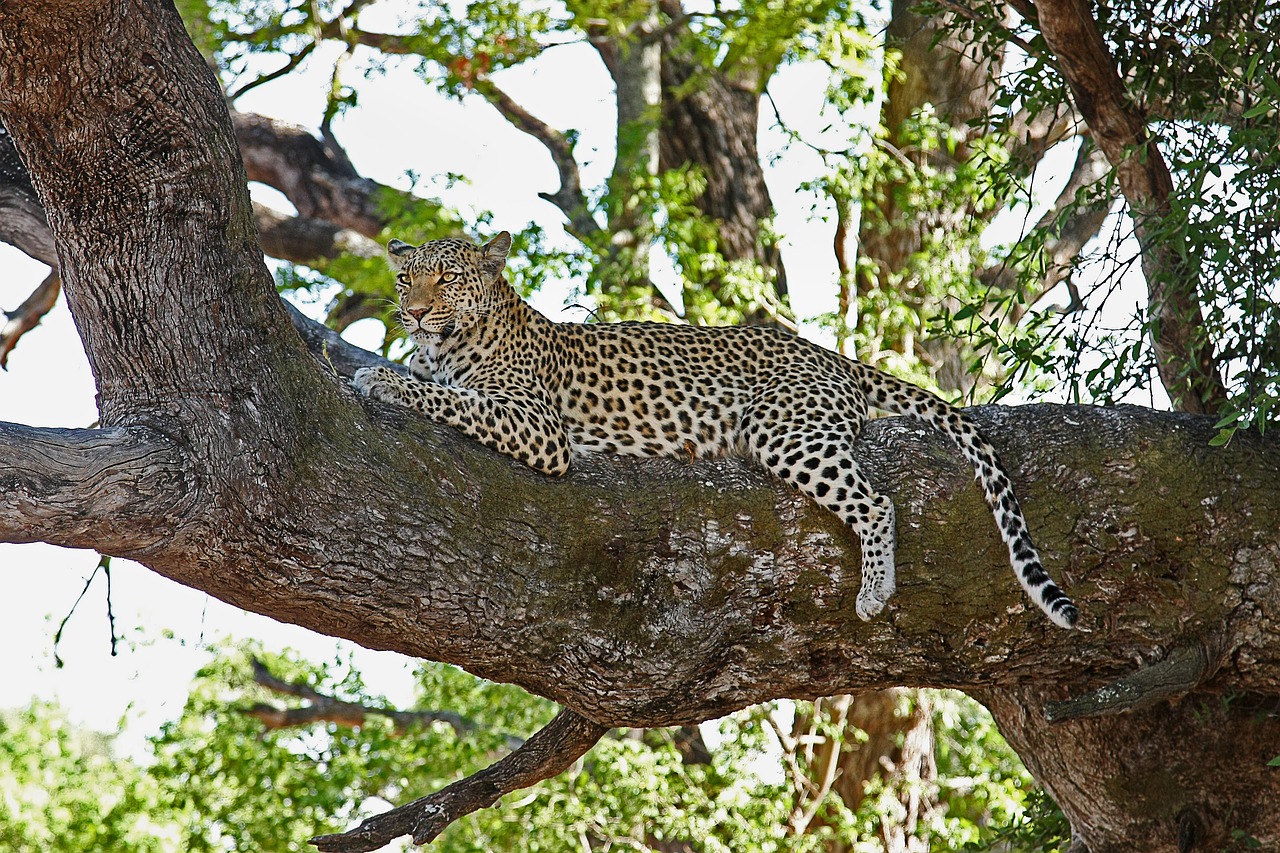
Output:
x=548 y=753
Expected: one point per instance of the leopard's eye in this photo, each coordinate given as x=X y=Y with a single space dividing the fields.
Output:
x=448 y=277
x=402 y=278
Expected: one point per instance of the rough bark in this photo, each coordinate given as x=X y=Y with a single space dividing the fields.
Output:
x=935 y=68
x=313 y=174
x=635 y=593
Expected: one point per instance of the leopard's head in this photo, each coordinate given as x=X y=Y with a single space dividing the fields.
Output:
x=448 y=285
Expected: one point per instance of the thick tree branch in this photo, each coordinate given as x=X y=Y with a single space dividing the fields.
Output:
x=285 y=451
x=633 y=592
x=317 y=179
x=336 y=356
x=548 y=753
x=22 y=219
x=1184 y=352
x=120 y=491
x=300 y=240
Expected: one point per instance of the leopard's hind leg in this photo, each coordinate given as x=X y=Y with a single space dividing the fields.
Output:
x=816 y=457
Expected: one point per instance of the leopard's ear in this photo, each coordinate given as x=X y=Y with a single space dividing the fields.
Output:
x=495 y=254
x=397 y=252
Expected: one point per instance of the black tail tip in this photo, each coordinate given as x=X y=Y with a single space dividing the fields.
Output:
x=1065 y=613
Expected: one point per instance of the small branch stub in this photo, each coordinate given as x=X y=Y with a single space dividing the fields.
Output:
x=1178 y=674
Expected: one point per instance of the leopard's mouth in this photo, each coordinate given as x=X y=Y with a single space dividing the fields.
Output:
x=420 y=331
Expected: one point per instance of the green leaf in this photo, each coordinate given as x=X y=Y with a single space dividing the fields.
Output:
x=1227 y=420
x=1223 y=438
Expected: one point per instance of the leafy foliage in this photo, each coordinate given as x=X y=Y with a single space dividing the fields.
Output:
x=1207 y=74
x=215 y=780
x=61 y=789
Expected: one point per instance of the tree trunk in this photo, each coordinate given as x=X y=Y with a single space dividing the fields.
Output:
x=709 y=120
x=636 y=593
x=936 y=68
x=1185 y=358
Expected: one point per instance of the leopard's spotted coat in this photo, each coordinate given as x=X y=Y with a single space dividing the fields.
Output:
x=542 y=392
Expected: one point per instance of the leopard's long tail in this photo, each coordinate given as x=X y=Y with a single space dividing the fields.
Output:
x=891 y=394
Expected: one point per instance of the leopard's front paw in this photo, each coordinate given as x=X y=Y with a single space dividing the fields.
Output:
x=379 y=383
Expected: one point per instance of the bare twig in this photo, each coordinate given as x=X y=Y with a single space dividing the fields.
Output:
x=549 y=752
x=963 y=11
x=826 y=769
x=1073 y=230
x=28 y=315
x=569 y=198
x=294 y=61
x=327 y=709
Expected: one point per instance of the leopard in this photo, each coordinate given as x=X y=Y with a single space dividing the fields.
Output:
x=547 y=393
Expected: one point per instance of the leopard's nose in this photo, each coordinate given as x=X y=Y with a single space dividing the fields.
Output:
x=416 y=313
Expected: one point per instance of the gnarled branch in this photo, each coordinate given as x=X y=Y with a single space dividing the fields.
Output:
x=547 y=753
x=120 y=491
x=569 y=197
x=301 y=240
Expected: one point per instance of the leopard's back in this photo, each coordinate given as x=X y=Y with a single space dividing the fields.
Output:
x=657 y=389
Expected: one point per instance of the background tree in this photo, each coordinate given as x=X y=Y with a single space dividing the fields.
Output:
x=717 y=277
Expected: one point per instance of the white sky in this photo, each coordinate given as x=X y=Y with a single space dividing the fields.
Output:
x=400 y=125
